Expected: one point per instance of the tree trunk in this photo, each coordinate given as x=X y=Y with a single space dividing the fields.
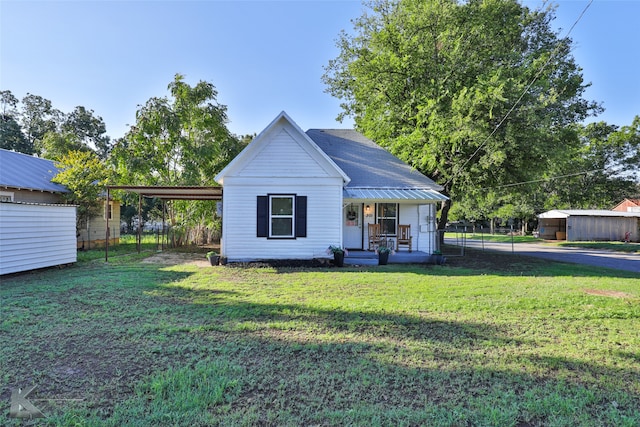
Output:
x=444 y=218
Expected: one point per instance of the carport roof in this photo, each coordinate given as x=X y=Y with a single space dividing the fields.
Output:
x=172 y=193
x=566 y=213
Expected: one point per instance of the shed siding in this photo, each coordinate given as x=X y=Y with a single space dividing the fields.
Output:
x=284 y=156
x=581 y=228
x=36 y=236
x=34 y=196
x=240 y=241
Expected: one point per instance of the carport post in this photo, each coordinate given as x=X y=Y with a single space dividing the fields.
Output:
x=164 y=208
x=106 y=244
x=139 y=221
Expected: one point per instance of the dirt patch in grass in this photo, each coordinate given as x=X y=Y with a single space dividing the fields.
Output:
x=606 y=293
x=177 y=258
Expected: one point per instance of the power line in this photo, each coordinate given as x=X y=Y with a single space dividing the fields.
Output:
x=542 y=179
x=524 y=92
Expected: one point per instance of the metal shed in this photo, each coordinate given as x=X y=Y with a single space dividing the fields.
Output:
x=589 y=225
x=36 y=236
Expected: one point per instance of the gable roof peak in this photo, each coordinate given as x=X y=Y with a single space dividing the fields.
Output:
x=263 y=138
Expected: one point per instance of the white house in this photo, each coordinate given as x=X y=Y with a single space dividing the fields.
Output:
x=291 y=194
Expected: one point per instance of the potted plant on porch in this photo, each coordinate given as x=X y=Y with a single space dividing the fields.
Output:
x=437 y=257
x=213 y=257
x=338 y=254
x=383 y=254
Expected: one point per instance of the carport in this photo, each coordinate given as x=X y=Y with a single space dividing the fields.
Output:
x=589 y=225
x=163 y=193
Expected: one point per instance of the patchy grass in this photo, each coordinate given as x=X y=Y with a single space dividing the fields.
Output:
x=501 y=238
x=128 y=248
x=607 y=246
x=483 y=341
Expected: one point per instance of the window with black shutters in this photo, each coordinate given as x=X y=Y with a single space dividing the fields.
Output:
x=282 y=216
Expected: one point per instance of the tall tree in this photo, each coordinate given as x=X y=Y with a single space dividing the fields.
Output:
x=435 y=81
x=11 y=136
x=56 y=145
x=8 y=104
x=181 y=140
x=38 y=118
x=602 y=169
x=85 y=175
x=177 y=141
x=88 y=129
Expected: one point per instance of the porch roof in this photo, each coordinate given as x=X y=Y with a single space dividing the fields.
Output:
x=393 y=194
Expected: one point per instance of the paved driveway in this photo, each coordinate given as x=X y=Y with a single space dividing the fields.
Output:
x=608 y=259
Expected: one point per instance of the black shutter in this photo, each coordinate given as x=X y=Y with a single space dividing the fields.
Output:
x=301 y=216
x=262 y=225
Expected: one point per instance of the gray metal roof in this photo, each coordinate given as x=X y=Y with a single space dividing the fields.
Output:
x=21 y=171
x=370 y=166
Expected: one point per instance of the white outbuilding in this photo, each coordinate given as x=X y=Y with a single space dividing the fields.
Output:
x=589 y=225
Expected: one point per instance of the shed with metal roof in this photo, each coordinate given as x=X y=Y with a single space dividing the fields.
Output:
x=589 y=225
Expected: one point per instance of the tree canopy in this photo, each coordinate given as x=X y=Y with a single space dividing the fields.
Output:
x=33 y=126
x=182 y=140
x=476 y=94
x=85 y=175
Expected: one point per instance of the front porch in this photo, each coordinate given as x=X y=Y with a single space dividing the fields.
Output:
x=356 y=257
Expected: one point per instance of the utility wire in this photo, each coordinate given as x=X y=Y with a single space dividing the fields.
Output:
x=524 y=92
x=542 y=179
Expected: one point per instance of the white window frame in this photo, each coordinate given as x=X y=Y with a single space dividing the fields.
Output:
x=291 y=216
x=108 y=210
x=380 y=218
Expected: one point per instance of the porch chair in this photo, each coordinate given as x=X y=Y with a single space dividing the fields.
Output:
x=374 y=236
x=404 y=236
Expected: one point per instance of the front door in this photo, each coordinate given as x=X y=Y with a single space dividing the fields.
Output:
x=353 y=226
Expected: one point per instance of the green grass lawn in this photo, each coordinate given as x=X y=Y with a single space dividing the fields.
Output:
x=512 y=343
x=609 y=246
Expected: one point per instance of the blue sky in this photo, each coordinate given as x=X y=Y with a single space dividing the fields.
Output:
x=262 y=56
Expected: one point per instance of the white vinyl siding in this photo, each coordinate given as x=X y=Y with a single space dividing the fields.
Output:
x=281 y=161
x=36 y=236
x=421 y=218
x=324 y=209
x=425 y=234
x=284 y=156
